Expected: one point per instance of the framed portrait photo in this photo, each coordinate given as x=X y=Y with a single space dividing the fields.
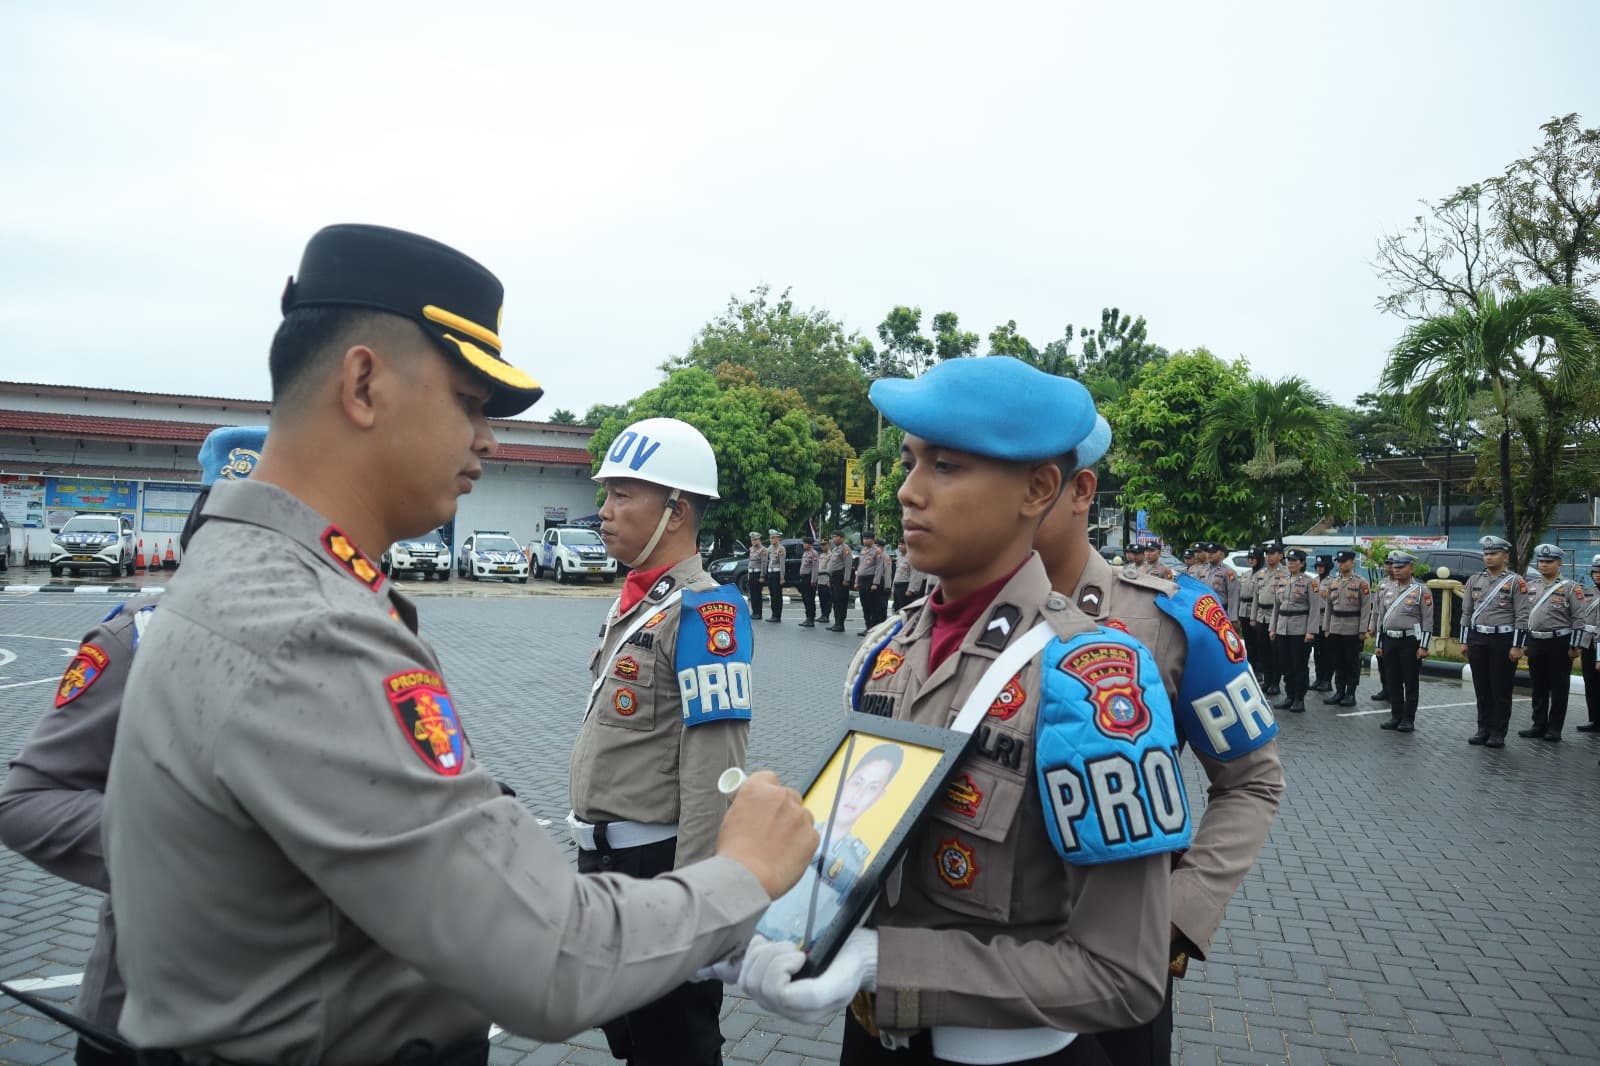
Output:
x=868 y=794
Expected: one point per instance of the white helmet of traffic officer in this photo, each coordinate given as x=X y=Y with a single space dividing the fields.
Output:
x=667 y=452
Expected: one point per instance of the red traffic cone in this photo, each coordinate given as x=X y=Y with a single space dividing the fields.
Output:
x=155 y=559
x=171 y=561
x=138 y=558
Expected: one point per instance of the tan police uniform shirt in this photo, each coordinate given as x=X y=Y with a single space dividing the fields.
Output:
x=1412 y=611
x=871 y=569
x=837 y=561
x=321 y=869
x=1344 y=602
x=808 y=563
x=1224 y=585
x=777 y=558
x=1492 y=604
x=1244 y=793
x=758 y=560
x=1247 y=595
x=52 y=801
x=1267 y=591
x=1297 y=606
x=1556 y=608
x=634 y=760
x=991 y=926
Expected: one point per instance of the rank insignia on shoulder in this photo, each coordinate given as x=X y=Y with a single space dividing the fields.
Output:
x=662 y=587
x=1001 y=625
x=1010 y=701
x=1090 y=597
x=83 y=671
x=957 y=863
x=427 y=717
x=350 y=558
x=887 y=662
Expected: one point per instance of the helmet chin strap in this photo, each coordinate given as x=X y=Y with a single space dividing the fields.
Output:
x=661 y=527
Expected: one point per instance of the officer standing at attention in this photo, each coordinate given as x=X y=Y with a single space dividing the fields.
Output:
x=872 y=576
x=837 y=566
x=1198 y=659
x=1133 y=555
x=1296 y=616
x=1556 y=611
x=321 y=869
x=52 y=801
x=1196 y=562
x=777 y=559
x=1494 y=617
x=1152 y=561
x=669 y=707
x=1266 y=598
x=904 y=573
x=1344 y=601
x=1591 y=631
x=1403 y=615
x=755 y=574
x=1321 y=659
x=808 y=581
x=1223 y=581
x=1014 y=924
x=1385 y=587
x=1246 y=622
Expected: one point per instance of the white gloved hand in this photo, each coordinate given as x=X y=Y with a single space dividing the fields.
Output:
x=768 y=977
x=724 y=970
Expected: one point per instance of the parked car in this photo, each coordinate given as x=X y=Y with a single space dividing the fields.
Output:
x=492 y=553
x=425 y=556
x=93 y=542
x=733 y=569
x=573 y=553
x=1463 y=562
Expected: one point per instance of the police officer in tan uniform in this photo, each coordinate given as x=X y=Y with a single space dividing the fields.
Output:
x=1296 y=614
x=755 y=575
x=809 y=560
x=1556 y=611
x=669 y=707
x=1321 y=659
x=1152 y=561
x=997 y=886
x=1266 y=598
x=1344 y=601
x=1220 y=577
x=905 y=576
x=872 y=581
x=51 y=804
x=1591 y=631
x=836 y=564
x=777 y=559
x=1402 y=615
x=1494 y=621
x=1246 y=622
x=321 y=869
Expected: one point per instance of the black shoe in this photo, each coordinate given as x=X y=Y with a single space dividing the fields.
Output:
x=836 y=629
x=1553 y=737
x=1589 y=727
x=1349 y=699
x=1270 y=690
x=1495 y=742
x=807 y=624
x=1533 y=733
x=1380 y=696
x=1288 y=701
x=1298 y=706
x=1322 y=686
x=1478 y=738
x=1393 y=723
x=1334 y=698
x=1406 y=726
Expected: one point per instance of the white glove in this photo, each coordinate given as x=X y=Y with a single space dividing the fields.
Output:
x=768 y=977
x=724 y=970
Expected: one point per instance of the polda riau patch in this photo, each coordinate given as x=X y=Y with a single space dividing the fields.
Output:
x=1111 y=674
x=350 y=558
x=719 y=618
x=627 y=668
x=427 y=717
x=1010 y=701
x=624 y=702
x=1213 y=617
x=958 y=866
x=83 y=671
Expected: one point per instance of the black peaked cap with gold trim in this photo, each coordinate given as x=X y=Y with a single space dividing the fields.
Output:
x=454 y=299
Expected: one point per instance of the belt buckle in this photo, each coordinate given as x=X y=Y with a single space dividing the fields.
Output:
x=864 y=1009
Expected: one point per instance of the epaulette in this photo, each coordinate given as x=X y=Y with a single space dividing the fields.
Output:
x=1150 y=581
x=871 y=644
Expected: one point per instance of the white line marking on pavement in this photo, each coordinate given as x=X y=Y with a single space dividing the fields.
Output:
x=7 y=656
x=494 y=1031
x=35 y=636
x=33 y=984
x=1430 y=707
x=24 y=684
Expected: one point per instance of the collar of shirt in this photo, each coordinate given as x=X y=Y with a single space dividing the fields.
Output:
x=636 y=584
x=952 y=620
x=258 y=503
x=685 y=573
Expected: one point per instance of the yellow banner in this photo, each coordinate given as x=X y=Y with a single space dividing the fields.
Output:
x=855 y=482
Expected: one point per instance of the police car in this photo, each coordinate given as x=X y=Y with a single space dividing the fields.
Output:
x=425 y=556
x=93 y=542
x=492 y=553
x=572 y=553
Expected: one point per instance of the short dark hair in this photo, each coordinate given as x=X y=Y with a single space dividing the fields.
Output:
x=309 y=334
x=889 y=753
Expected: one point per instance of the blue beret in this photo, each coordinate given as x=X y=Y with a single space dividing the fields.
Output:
x=994 y=406
x=230 y=453
x=1093 y=448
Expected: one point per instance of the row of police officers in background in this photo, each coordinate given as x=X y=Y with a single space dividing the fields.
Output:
x=829 y=573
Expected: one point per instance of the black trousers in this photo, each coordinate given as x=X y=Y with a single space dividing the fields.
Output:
x=682 y=1026
x=1344 y=649
x=1404 y=676
x=1383 y=666
x=902 y=594
x=1551 y=673
x=808 y=598
x=753 y=582
x=825 y=597
x=861 y=1048
x=841 y=598
x=1294 y=654
x=1149 y=1044
x=874 y=605
x=1271 y=668
x=1591 y=684
x=1322 y=657
x=1489 y=656
x=775 y=595
x=1252 y=642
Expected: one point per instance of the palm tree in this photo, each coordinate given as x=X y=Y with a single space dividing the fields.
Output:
x=1289 y=426
x=1497 y=349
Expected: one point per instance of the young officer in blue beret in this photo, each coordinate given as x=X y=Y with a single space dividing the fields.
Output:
x=321 y=868
x=1019 y=916
x=51 y=804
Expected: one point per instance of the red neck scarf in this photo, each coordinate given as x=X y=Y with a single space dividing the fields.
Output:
x=952 y=620
x=637 y=583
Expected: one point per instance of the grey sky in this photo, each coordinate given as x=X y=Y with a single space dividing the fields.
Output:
x=1224 y=170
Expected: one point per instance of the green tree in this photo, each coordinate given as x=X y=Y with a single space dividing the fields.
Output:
x=1120 y=348
x=1487 y=361
x=599 y=412
x=1547 y=208
x=1295 y=439
x=1156 y=431
x=1005 y=340
x=768 y=457
x=950 y=341
x=906 y=352
x=563 y=417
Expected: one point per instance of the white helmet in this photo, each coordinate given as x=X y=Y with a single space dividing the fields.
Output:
x=663 y=451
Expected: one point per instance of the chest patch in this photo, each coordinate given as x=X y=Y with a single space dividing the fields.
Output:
x=627 y=668
x=958 y=866
x=1111 y=674
x=1010 y=700
x=887 y=662
x=624 y=702
x=427 y=717
x=963 y=796
x=81 y=673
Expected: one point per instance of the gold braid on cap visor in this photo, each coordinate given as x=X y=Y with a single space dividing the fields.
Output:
x=490 y=365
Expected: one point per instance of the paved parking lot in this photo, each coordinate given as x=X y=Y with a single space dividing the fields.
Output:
x=1420 y=901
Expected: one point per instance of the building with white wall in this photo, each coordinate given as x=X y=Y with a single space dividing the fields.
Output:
x=65 y=449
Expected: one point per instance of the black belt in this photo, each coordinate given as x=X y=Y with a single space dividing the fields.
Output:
x=1294 y=614
x=1345 y=614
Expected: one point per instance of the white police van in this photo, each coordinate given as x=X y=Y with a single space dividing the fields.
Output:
x=573 y=553
x=93 y=542
x=492 y=553
x=425 y=556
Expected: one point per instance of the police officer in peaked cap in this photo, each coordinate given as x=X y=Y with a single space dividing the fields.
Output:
x=1591 y=636
x=321 y=868
x=1494 y=620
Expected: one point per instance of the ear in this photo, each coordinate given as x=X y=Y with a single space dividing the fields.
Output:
x=682 y=513
x=1080 y=491
x=357 y=371
x=1044 y=486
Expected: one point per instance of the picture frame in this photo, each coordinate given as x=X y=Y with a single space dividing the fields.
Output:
x=869 y=792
